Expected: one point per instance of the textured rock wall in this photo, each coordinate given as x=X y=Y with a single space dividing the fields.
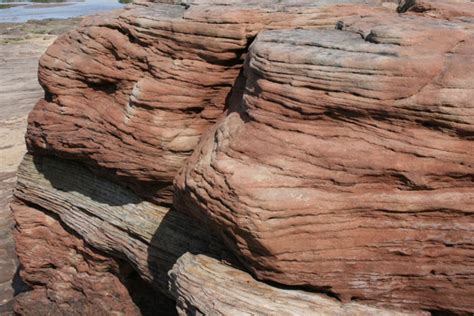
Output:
x=67 y=254
x=111 y=218
x=347 y=167
x=337 y=160
x=66 y=276
x=234 y=292
x=135 y=92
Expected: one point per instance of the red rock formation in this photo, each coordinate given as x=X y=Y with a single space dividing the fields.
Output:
x=343 y=163
x=133 y=93
x=66 y=275
x=155 y=241
x=348 y=165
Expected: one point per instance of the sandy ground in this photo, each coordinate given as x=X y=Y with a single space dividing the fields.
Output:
x=21 y=45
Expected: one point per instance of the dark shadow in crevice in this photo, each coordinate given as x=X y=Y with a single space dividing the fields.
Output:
x=234 y=102
x=18 y=285
x=70 y=176
x=142 y=190
x=405 y=5
x=176 y=235
x=441 y=313
x=143 y=294
x=107 y=87
x=48 y=96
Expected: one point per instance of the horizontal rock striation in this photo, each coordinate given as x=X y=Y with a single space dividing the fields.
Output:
x=337 y=158
x=347 y=167
x=233 y=292
x=132 y=92
x=67 y=250
x=111 y=218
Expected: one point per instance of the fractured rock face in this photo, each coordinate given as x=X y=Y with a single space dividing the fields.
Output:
x=347 y=167
x=133 y=92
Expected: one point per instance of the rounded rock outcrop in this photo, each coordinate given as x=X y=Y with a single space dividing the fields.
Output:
x=347 y=166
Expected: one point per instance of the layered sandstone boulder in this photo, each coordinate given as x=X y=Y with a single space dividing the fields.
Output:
x=347 y=167
x=132 y=92
x=339 y=171
x=234 y=292
x=66 y=276
x=80 y=238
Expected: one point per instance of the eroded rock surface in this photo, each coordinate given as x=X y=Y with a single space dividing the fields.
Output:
x=111 y=218
x=133 y=93
x=348 y=165
x=233 y=292
x=341 y=161
x=68 y=275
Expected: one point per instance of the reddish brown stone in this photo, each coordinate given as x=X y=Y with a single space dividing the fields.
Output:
x=343 y=164
x=133 y=92
x=348 y=165
x=66 y=276
x=160 y=244
x=443 y=9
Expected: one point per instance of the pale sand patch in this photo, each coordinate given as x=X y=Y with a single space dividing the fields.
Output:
x=20 y=50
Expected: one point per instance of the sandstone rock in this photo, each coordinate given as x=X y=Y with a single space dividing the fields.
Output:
x=152 y=239
x=132 y=92
x=343 y=163
x=347 y=167
x=111 y=218
x=66 y=276
x=444 y=9
x=232 y=292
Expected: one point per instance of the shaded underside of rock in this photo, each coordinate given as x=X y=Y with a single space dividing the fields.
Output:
x=70 y=210
x=347 y=167
x=111 y=218
x=133 y=91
